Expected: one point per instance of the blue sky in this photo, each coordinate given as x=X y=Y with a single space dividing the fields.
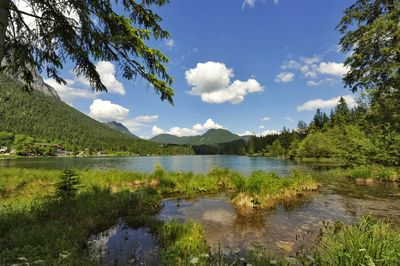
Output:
x=253 y=65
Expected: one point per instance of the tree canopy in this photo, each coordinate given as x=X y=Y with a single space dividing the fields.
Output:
x=46 y=33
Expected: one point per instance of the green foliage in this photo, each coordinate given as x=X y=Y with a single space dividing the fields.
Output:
x=371 y=34
x=68 y=185
x=86 y=32
x=370 y=242
x=42 y=118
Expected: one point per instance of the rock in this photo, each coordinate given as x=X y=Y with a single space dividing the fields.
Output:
x=285 y=245
x=38 y=83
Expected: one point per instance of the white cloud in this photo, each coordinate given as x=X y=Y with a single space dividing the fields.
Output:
x=267 y=118
x=136 y=123
x=259 y=134
x=170 y=43
x=313 y=105
x=316 y=83
x=107 y=72
x=315 y=70
x=276 y=2
x=212 y=82
x=106 y=111
x=157 y=131
x=249 y=3
x=261 y=127
x=68 y=93
x=332 y=68
x=197 y=129
x=284 y=77
x=246 y=133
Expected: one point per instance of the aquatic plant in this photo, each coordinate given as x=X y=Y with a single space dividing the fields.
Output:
x=370 y=242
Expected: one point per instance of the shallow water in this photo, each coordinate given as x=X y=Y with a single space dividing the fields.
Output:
x=122 y=245
x=196 y=164
x=285 y=229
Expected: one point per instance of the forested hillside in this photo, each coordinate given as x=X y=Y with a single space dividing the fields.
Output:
x=48 y=119
x=120 y=127
x=211 y=137
x=358 y=136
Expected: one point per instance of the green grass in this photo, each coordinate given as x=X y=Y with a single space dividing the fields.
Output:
x=370 y=173
x=370 y=242
x=40 y=223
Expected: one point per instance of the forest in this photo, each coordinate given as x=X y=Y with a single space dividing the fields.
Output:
x=355 y=136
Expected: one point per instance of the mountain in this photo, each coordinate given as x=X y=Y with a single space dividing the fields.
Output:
x=120 y=127
x=46 y=118
x=212 y=136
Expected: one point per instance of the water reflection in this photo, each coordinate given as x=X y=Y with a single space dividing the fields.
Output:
x=289 y=227
x=123 y=245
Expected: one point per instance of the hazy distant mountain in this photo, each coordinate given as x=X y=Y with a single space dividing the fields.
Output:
x=212 y=136
x=120 y=127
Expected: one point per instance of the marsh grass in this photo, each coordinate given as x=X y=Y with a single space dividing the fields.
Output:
x=39 y=225
x=362 y=174
x=370 y=242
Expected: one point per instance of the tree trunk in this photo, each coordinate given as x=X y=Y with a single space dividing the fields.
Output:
x=4 y=13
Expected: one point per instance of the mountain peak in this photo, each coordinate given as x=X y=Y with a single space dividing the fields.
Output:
x=120 y=127
x=212 y=136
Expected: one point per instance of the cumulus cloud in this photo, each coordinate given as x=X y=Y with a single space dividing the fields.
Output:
x=68 y=93
x=316 y=70
x=333 y=68
x=259 y=134
x=313 y=105
x=107 y=73
x=267 y=118
x=196 y=129
x=106 y=111
x=212 y=82
x=136 y=123
x=157 y=131
x=78 y=87
x=284 y=77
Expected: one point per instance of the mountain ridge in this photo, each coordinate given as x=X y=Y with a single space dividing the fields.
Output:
x=212 y=136
x=121 y=128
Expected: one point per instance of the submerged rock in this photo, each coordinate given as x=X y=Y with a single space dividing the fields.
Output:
x=285 y=245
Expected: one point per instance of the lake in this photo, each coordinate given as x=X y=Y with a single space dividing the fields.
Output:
x=197 y=164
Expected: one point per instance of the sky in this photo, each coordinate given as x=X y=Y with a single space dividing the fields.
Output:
x=252 y=67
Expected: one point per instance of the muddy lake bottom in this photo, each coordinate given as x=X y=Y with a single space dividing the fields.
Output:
x=286 y=229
